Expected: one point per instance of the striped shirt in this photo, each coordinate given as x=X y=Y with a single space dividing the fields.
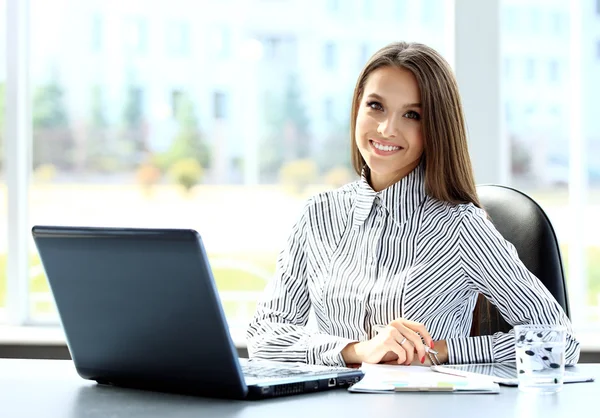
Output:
x=360 y=258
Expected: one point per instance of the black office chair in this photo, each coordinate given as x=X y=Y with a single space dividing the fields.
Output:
x=522 y=222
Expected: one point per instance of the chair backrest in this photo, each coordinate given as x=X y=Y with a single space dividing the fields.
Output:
x=522 y=222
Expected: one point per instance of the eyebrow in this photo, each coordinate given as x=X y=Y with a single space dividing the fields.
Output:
x=378 y=97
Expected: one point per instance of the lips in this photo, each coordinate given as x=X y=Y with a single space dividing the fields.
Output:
x=382 y=142
x=384 y=152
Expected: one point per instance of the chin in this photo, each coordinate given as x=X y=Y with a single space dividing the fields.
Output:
x=390 y=168
x=383 y=167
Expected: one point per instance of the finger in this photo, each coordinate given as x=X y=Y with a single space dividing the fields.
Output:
x=389 y=356
x=405 y=343
x=421 y=331
x=413 y=337
x=426 y=363
x=392 y=345
x=420 y=328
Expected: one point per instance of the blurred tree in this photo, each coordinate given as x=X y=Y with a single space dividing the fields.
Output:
x=44 y=173
x=298 y=174
x=295 y=114
x=289 y=137
x=188 y=143
x=100 y=155
x=147 y=176
x=133 y=147
x=133 y=111
x=338 y=176
x=52 y=138
x=186 y=172
x=335 y=149
x=98 y=109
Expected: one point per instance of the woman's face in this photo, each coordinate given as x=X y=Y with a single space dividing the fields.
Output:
x=388 y=125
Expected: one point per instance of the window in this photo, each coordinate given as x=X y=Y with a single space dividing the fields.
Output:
x=136 y=34
x=220 y=105
x=510 y=18
x=176 y=97
x=557 y=23
x=3 y=191
x=272 y=48
x=97 y=33
x=507 y=68
x=401 y=10
x=333 y=6
x=530 y=110
x=108 y=150
x=535 y=16
x=541 y=138
x=554 y=111
x=508 y=113
x=221 y=39
x=553 y=71
x=368 y=9
x=431 y=12
x=530 y=69
x=328 y=110
x=330 y=56
x=363 y=55
x=178 y=39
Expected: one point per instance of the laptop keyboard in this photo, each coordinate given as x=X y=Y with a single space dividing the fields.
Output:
x=260 y=370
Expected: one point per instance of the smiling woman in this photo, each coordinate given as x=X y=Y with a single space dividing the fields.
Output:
x=392 y=264
x=402 y=100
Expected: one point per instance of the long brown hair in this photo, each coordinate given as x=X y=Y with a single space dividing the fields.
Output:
x=448 y=170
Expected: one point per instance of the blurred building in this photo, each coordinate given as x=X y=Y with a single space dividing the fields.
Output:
x=246 y=64
x=536 y=77
x=275 y=77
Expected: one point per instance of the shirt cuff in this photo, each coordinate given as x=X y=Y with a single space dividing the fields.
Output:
x=326 y=350
x=470 y=350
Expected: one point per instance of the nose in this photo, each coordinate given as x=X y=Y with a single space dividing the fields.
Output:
x=388 y=127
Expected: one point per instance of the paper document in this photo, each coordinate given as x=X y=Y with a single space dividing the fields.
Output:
x=383 y=378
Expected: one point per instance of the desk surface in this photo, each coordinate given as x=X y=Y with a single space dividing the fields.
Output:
x=52 y=388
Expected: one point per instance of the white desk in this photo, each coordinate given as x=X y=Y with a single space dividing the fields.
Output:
x=52 y=388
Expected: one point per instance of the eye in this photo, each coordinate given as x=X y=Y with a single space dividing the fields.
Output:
x=375 y=105
x=411 y=114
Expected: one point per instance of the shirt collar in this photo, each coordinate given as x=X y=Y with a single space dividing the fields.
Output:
x=401 y=199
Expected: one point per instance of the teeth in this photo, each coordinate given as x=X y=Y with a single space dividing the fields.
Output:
x=384 y=147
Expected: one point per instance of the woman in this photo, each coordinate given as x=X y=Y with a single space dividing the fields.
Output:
x=397 y=259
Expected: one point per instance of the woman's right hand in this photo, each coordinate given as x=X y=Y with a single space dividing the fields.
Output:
x=397 y=342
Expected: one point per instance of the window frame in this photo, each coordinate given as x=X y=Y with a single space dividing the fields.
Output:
x=17 y=159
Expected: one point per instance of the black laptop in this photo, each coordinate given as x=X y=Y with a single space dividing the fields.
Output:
x=140 y=308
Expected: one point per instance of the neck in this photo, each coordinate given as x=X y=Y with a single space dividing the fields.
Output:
x=379 y=183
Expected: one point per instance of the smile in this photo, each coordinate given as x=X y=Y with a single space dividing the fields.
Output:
x=384 y=149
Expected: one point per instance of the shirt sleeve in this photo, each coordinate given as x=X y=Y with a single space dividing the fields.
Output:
x=278 y=330
x=493 y=267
